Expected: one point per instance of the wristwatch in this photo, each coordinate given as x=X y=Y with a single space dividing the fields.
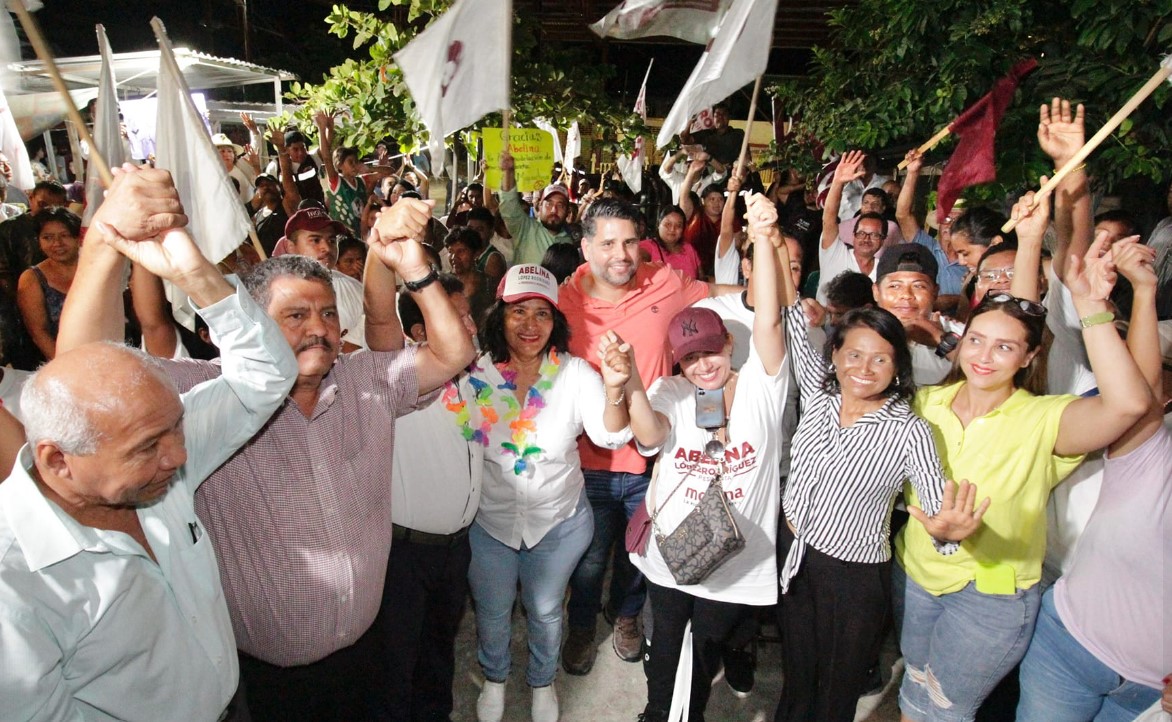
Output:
x=947 y=344
x=417 y=286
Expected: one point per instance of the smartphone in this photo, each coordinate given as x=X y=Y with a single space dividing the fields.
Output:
x=710 y=408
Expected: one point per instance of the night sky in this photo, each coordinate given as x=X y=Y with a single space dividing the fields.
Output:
x=293 y=36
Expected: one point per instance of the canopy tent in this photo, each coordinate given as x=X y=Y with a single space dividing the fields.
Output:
x=137 y=74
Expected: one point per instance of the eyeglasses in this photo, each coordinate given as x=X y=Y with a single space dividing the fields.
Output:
x=864 y=236
x=1027 y=306
x=995 y=274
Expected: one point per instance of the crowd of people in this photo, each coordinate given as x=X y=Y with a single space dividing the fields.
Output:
x=280 y=510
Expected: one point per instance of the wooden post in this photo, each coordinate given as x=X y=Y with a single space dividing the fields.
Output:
x=929 y=144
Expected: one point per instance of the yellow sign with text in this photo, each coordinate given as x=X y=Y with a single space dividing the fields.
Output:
x=532 y=150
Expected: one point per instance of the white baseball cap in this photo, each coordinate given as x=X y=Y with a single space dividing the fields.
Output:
x=526 y=281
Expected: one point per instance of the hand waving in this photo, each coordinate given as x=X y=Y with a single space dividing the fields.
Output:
x=850 y=167
x=958 y=516
x=1060 y=133
x=1092 y=277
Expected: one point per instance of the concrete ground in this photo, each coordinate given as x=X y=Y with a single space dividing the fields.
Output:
x=616 y=690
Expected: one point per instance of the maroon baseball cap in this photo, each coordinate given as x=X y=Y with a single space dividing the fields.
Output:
x=696 y=329
x=312 y=219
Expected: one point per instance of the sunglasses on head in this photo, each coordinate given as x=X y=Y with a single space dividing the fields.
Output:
x=1027 y=306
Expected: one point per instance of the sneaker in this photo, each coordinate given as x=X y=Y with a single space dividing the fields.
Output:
x=579 y=651
x=545 y=704
x=738 y=671
x=628 y=639
x=490 y=706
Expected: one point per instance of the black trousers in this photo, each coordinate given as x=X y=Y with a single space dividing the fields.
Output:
x=712 y=624
x=423 y=602
x=832 y=622
x=338 y=687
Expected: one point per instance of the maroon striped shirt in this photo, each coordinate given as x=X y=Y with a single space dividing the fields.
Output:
x=301 y=516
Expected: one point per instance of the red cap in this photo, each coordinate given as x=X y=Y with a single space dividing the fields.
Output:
x=696 y=329
x=312 y=219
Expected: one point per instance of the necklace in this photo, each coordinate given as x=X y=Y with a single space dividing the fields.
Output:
x=521 y=419
x=482 y=395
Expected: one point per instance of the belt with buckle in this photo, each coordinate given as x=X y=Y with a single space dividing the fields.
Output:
x=402 y=533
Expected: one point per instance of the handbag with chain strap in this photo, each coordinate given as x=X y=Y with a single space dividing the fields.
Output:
x=704 y=539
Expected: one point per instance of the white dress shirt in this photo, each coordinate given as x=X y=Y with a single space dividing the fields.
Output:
x=92 y=628
x=436 y=472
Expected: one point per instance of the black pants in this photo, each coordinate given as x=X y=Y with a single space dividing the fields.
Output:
x=712 y=623
x=423 y=602
x=831 y=628
x=338 y=687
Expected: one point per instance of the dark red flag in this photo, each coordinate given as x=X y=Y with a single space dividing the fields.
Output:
x=972 y=160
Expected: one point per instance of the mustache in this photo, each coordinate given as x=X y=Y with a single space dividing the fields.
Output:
x=314 y=341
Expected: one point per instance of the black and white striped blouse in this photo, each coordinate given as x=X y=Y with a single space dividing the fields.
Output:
x=843 y=480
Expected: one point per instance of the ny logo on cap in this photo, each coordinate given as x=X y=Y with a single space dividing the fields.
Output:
x=688 y=327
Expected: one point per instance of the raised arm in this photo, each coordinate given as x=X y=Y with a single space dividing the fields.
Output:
x=1032 y=213
x=449 y=347
x=1061 y=133
x=140 y=204
x=767 y=333
x=1090 y=424
x=649 y=426
x=1135 y=261
x=615 y=365
x=905 y=214
x=290 y=196
x=159 y=337
x=728 y=216
x=325 y=129
x=849 y=168
x=695 y=168
x=406 y=219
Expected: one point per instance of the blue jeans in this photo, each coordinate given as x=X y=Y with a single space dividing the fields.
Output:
x=1063 y=682
x=543 y=571
x=957 y=646
x=614 y=496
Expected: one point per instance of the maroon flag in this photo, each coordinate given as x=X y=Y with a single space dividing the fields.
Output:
x=972 y=160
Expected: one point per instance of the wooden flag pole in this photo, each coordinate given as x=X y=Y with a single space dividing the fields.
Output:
x=46 y=56
x=930 y=143
x=1128 y=108
x=748 y=124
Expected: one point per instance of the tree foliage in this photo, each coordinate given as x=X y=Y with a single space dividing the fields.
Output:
x=898 y=70
x=372 y=99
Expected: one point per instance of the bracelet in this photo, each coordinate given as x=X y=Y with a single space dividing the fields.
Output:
x=417 y=286
x=1097 y=319
x=619 y=400
x=1077 y=168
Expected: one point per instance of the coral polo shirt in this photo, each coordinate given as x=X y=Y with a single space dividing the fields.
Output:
x=640 y=317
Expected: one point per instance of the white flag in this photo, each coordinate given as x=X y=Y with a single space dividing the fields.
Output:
x=107 y=132
x=573 y=147
x=734 y=58
x=458 y=68
x=632 y=168
x=216 y=217
x=13 y=147
x=547 y=125
x=691 y=20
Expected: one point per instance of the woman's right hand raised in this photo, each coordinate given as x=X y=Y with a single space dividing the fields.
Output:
x=616 y=360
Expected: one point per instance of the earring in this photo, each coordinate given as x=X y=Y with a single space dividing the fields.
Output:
x=896 y=381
